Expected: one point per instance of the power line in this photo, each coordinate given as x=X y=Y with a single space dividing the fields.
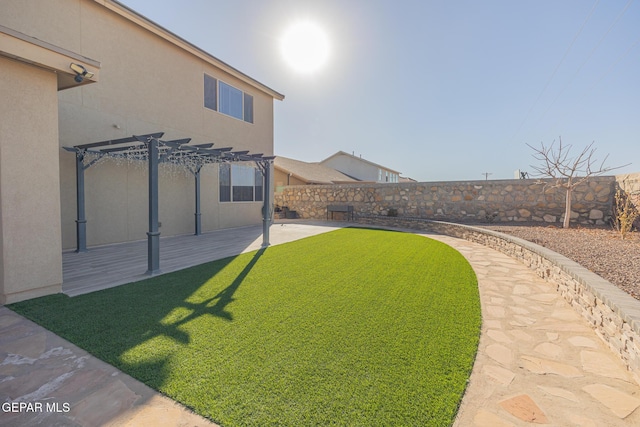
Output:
x=557 y=67
x=615 y=22
x=612 y=66
x=603 y=75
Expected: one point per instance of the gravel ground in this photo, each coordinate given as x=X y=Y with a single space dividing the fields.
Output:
x=601 y=250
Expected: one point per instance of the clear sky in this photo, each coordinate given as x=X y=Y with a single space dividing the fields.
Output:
x=438 y=90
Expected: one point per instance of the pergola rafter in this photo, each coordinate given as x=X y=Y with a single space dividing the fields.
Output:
x=151 y=149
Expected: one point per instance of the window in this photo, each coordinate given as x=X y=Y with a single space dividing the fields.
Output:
x=231 y=101
x=210 y=92
x=240 y=183
x=248 y=108
x=259 y=187
x=226 y=99
x=225 y=182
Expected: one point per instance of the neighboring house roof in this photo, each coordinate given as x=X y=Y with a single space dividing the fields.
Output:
x=148 y=24
x=342 y=153
x=406 y=179
x=312 y=173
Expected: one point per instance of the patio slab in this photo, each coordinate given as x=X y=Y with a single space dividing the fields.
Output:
x=112 y=265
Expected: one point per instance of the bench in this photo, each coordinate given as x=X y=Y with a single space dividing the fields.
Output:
x=289 y=214
x=341 y=208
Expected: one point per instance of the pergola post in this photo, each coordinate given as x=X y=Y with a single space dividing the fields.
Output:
x=153 y=235
x=80 y=151
x=267 y=207
x=81 y=221
x=198 y=214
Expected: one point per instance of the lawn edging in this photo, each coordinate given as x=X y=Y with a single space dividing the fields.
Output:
x=614 y=314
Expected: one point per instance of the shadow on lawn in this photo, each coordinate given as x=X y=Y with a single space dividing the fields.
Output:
x=224 y=297
x=219 y=309
x=112 y=322
x=154 y=372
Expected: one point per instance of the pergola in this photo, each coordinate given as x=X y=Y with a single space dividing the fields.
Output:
x=150 y=148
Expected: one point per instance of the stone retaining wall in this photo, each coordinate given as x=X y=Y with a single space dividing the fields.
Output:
x=515 y=200
x=613 y=313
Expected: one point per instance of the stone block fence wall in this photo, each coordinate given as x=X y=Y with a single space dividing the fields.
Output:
x=515 y=200
x=613 y=313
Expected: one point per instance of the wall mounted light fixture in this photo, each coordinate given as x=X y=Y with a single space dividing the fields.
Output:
x=81 y=72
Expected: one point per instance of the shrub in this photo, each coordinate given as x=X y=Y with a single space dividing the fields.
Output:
x=490 y=218
x=624 y=213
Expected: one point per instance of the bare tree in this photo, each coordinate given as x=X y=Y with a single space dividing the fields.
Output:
x=567 y=171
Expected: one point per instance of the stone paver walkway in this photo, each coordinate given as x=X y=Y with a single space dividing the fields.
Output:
x=538 y=362
x=66 y=386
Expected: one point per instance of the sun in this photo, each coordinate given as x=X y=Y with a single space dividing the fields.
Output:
x=305 y=47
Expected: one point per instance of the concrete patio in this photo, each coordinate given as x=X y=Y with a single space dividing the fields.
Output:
x=112 y=265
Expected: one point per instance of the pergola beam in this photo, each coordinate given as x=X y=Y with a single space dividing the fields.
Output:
x=176 y=143
x=118 y=141
x=139 y=146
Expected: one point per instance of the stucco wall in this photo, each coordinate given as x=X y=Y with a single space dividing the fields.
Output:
x=472 y=201
x=147 y=84
x=352 y=167
x=30 y=256
x=630 y=184
x=281 y=178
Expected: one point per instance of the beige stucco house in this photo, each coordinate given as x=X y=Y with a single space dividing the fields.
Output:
x=139 y=79
x=361 y=169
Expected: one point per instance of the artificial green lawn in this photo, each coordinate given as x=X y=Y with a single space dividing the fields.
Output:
x=353 y=327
